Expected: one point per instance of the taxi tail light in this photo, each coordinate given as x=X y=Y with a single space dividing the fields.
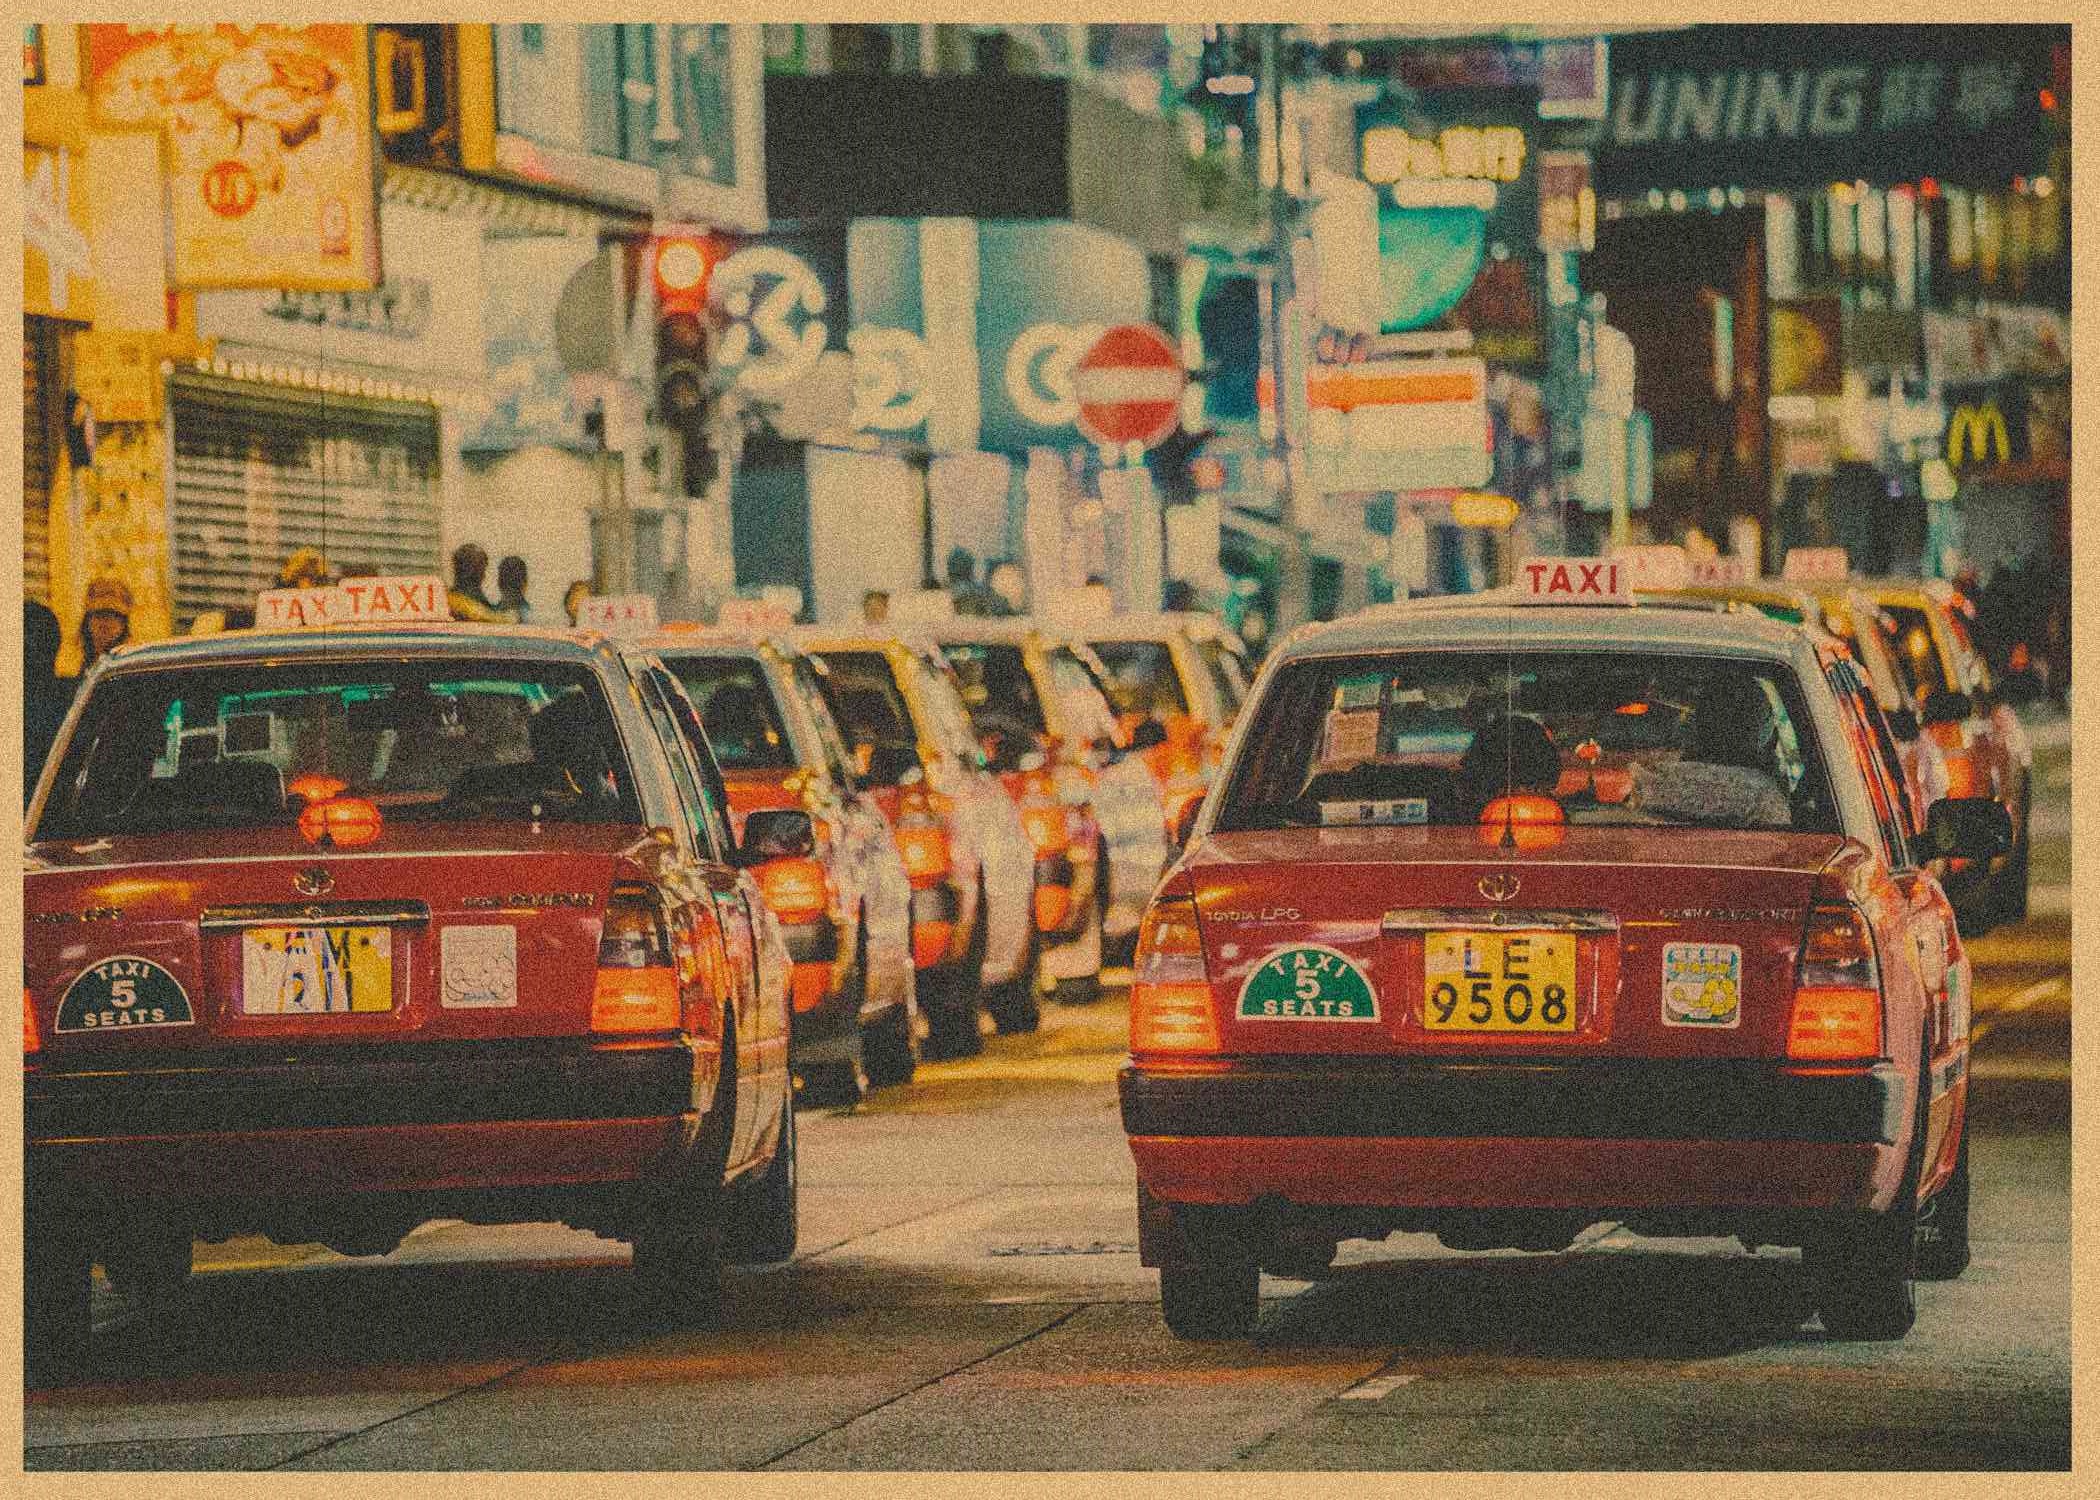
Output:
x=1048 y=829
x=1053 y=904
x=1961 y=771
x=1170 y=998
x=922 y=837
x=1837 y=997
x=30 y=1045
x=796 y=890
x=637 y=983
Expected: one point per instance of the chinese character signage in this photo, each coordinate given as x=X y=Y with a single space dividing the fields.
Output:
x=270 y=161
x=1798 y=106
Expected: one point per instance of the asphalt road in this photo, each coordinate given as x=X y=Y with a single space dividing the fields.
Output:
x=968 y=1296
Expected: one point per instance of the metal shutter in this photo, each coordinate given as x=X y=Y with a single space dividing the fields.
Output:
x=263 y=470
x=41 y=387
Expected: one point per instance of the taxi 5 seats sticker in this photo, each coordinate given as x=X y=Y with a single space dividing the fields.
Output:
x=1702 y=984
x=1307 y=983
x=120 y=992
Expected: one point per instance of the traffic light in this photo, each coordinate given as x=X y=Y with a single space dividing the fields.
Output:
x=679 y=265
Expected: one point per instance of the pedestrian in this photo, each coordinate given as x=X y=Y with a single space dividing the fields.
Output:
x=306 y=568
x=875 y=607
x=470 y=566
x=970 y=596
x=45 y=695
x=510 y=590
x=105 y=620
x=572 y=599
x=1180 y=596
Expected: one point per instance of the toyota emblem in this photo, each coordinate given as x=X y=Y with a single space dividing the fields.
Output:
x=314 y=881
x=1499 y=887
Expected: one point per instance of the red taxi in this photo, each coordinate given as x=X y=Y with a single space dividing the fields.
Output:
x=975 y=895
x=845 y=907
x=1406 y=979
x=330 y=932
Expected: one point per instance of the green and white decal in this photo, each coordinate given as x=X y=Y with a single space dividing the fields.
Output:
x=123 y=993
x=1306 y=982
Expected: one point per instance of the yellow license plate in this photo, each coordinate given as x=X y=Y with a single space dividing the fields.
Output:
x=1499 y=981
x=296 y=971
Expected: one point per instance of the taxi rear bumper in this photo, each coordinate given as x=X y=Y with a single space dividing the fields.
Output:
x=410 y=1118
x=1594 y=1134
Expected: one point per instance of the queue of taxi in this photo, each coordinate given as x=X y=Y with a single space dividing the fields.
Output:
x=1569 y=903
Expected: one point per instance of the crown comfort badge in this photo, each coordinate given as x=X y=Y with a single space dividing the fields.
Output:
x=123 y=992
x=1307 y=983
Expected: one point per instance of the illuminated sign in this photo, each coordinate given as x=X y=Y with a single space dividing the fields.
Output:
x=1973 y=432
x=617 y=614
x=775 y=308
x=356 y=601
x=1039 y=363
x=1574 y=580
x=1660 y=566
x=1493 y=153
x=1815 y=565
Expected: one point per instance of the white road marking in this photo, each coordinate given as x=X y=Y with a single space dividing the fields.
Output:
x=2033 y=995
x=1376 y=1387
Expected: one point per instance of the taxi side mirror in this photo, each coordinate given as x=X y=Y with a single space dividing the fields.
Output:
x=1944 y=707
x=1976 y=828
x=776 y=833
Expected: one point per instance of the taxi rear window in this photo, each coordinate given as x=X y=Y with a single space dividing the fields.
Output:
x=1446 y=738
x=997 y=692
x=737 y=711
x=864 y=697
x=1141 y=678
x=248 y=745
x=1908 y=634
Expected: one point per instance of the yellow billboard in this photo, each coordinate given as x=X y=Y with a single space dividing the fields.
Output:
x=270 y=146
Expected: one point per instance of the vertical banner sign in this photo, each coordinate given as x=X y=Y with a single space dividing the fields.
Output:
x=270 y=164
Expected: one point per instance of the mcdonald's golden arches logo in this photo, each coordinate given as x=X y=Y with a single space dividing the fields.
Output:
x=1974 y=432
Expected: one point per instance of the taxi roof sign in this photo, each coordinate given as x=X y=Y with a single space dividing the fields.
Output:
x=754 y=614
x=1656 y=566
x=392 y=600
x=1574 y=580
x=617 y=614
x=1721 y=571
x=1816 y=565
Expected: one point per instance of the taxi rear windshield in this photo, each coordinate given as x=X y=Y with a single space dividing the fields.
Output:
x=249 y=746
x=737 y=711
x=997 y=691
x=1456 y=738
x=1908 y=634
x=1141 y=678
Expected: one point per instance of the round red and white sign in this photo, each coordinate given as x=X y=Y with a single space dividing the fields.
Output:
x=1129 y=387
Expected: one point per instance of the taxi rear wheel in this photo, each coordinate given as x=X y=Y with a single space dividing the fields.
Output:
x=1016 y=1006
x=1943 y=1224
x=148 y=1262
x=760 y=1225
x=57 y=1278
x=1862 y=1272
x=1210 y=1299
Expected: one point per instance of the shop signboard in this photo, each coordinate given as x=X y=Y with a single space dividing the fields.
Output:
x=1995 y=341
x=1567 y=203
x=1398 y=424
x=1808 y=347
x=1801 y=106
x=58 y=266
x=270 y=155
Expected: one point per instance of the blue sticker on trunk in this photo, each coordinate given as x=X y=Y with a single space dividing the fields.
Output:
x=121 y=993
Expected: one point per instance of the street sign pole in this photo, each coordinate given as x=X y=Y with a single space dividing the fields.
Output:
x=1294 y=565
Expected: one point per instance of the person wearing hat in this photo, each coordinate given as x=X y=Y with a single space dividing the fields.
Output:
x=105 y=620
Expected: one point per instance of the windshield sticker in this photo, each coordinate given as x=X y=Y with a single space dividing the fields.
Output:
x=1702 y=985
x=1351 y=737
x=1396 y=812
x=480 y=968
x=1359 y=692
x=1307 y=983
x=122 y=992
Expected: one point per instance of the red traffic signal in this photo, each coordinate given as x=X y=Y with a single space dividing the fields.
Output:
x=679 y=265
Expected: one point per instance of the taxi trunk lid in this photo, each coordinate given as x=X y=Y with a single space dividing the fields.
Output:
x=1623 y=942
x=448 y=933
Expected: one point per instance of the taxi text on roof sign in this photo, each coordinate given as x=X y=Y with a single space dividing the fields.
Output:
x=754 y=614
x=1658 y=566
x=1720 y=571
x=617 y=614
x=1815 y=564
x=1574 y=580
x=355 y=601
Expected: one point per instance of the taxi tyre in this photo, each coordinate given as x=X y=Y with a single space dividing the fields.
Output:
x=1016 y=1007
x=1085 y=989
x=888 y=1051
x=2010 y=897
x=148 y=1262
x=678 y=1240
x=843 y=1082
x=57 y=1285
x=1943 y=1225
x=1216 y=1297
x=951 y=1022
x=1863 y=1265
x=761 y=1218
